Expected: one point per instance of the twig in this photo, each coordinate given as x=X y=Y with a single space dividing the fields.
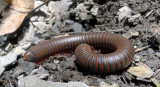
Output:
x=117 y=30
x=139 y=49
x=148 y=14
x=41 y=5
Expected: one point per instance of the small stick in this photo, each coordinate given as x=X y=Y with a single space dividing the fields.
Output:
x=139 y=49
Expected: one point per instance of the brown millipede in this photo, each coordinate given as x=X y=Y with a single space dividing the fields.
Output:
x=119 y=59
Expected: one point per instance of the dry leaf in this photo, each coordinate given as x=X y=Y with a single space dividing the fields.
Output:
x=14 y=15
x=141 y=70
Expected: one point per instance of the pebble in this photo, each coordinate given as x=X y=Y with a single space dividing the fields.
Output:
x=137 y=58
x=144 y=7
x=113 y=77
x=42 y=27
x=54 y=67
x=25 y=67
x=69 y=21
x=77 y=27
x=50 y=66
x=99 y=80
x=3 y=38
x=41 y=70
x=56 y=26
x=34 y=18
x=151 y=51
x=58 y=6
x=158 y=54
x=33 y=81
x=124 y=12
x=126 y=36
x=86 y=81
x=94 y=10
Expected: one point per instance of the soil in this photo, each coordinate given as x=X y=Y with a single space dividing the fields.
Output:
x=62 y=68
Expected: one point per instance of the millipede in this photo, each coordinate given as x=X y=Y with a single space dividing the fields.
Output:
x=120 y=58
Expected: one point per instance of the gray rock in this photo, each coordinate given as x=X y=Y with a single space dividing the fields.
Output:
x=81 y=12
x=56 y=27
x=43 y=8
x=99 y=80
x=33 y=81
x=10 y=58
x=144 y=7
x=50 y=66
x=34 y=18
x=2 y=39
x=2 y=6
x=153 y=63
x=69 y=75
x=158 y=54
x=151 y=51
x=41 y=70
x=86 y=81
x=94 y=10
x=69 y=21
x=113 y=77
x=25 y=67
x=53 y=67
x=77 y=27
x=126 y=35
x=57 y=6
x=41 y=27
x=124 y=12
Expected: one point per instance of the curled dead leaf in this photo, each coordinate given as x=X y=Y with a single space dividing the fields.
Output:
x=141 y=70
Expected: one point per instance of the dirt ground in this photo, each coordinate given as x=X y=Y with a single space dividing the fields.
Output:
x=142 y=32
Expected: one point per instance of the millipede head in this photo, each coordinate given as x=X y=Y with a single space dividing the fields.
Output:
x=29 y=56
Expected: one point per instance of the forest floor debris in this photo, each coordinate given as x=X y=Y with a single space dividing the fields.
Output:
x=137 y=20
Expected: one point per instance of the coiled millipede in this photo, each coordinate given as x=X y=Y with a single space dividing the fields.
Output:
x=119 y=59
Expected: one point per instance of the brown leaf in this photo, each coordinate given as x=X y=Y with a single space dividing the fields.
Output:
x=14 y=15
x=141 y=70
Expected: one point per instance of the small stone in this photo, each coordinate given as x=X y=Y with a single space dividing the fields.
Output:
x=99 y=80
x=2 y=53
x=50 y=66
x=43 y=8
x=144 y=7
x=69 y=21
x=33 y=81
x=54 y=67
x=42 y=27
x=34 y=18
x=113 y=77
x=56 y=61
x=158 y=54
x=25 y=67
x=151 y=51
x=135 y=47
x=86 y=81
x=3 y=38
x=41 y=70
x=56 y=27
x=58 y=6
x=126 y=28
x=126 y=36
x=94 y=10
x=124 y=12
x=135 y=34
x=77 y=27
x=137 y=58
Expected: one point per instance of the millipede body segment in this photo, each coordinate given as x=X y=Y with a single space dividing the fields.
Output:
x=119 y=59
